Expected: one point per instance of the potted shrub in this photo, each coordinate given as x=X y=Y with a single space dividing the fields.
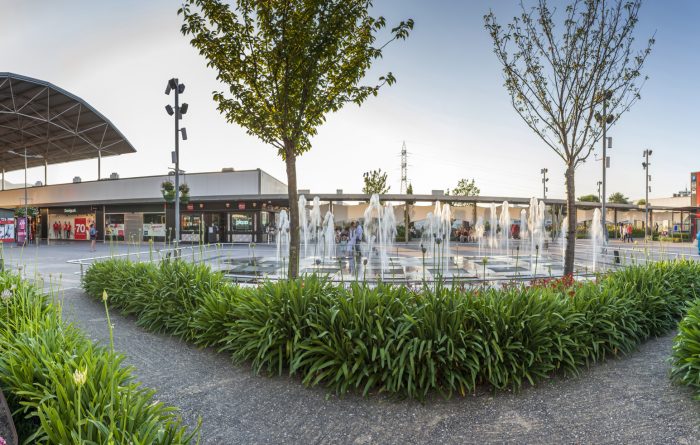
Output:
x=167 y=188
x=184 y=193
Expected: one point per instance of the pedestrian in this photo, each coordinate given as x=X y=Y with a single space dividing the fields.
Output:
x=93 y=237
x=698 y=238
x=351 y=245
x=629 y=233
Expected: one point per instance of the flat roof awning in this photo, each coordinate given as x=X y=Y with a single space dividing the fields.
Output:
x=53 y=123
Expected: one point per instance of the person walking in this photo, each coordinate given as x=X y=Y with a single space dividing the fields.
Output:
x=629 y=233
x=697 y=237
x=93 y=237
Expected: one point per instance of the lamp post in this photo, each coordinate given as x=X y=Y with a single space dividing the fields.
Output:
x=545 y=179
x=605 y=120
x=645 y=165
x=177 y=112
x=26 y=207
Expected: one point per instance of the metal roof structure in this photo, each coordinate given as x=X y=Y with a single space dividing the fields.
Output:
x=46 y=120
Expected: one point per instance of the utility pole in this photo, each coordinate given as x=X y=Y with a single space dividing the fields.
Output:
x=404 y=168
x=178 y=111
x=545 y=179
x=645 y=164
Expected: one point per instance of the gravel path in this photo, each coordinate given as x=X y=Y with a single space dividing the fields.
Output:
x=627 y=400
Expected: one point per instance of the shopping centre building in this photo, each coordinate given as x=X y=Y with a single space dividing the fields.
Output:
x=42 y=125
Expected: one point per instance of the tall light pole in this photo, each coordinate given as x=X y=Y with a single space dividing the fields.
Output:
x=545 y=179
x=178 y=111
x=645 y=164
x=605 y=120
x=26 y=206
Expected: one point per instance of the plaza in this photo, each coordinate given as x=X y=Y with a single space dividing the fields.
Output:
x=229 y=221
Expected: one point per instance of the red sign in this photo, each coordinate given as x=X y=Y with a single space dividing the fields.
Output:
x=80 y=228
x=241 y=206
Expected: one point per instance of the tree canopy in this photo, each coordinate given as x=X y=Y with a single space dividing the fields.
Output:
x=286 y=64
x=375 y=182
x=589 y=198
x=618 y=198
x=465 y=187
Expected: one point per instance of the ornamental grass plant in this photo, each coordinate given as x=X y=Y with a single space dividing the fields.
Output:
x=63 y=389
x=392 y=339
x=685 y=362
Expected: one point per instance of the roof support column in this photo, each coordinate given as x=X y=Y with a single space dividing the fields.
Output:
x=3 y=179
x=46 y=169
x=99 y=164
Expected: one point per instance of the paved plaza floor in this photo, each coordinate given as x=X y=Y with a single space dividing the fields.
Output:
x=624 y=400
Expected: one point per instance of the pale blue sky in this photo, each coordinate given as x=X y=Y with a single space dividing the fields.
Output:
x=449 y=104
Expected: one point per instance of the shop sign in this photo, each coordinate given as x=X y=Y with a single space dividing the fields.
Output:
x=7 y=230
x=154 y=230
x=69 y=211
x=241 y=206
x=80 y=228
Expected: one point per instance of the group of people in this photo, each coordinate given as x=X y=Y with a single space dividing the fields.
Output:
x=62 y=230
x=626 y=233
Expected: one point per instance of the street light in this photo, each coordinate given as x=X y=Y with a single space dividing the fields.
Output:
x=26 y=210
x=545 y=180
x=645 y=165
x=605 y=120
x=177 y=111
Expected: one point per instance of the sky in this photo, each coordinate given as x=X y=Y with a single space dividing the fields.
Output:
x=449 y=105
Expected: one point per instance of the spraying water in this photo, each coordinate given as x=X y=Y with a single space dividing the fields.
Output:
x=388 y=229
x=493 y=227
x=562 y=237
x=316 y=225
x=373 y=234
x=504 y=221
x=597 y=239
x=283 y=236
x=328 y=236
x=303 y=224
x=479 y=231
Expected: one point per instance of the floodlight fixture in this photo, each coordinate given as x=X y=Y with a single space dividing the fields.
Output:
x=181 y=88
x=184 y=133
x=183 y=108
x=169 y=109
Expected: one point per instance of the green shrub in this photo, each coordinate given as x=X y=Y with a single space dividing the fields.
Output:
x=63 y=389
x=392 y=339
x=685 y=362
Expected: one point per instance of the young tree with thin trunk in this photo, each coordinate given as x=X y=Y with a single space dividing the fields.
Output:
x=375 y=182
x=559 y=76
x=286 y=65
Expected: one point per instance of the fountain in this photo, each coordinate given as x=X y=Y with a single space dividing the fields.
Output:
x=562 y=237
x=493 y=227
x=504 y=222
x=597 y=239
x=479 y=231
x=303 y=225
x=283 y=236
x=328 y=235
x=315 y=225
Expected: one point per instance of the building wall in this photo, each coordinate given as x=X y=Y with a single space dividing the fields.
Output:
x=142 y=189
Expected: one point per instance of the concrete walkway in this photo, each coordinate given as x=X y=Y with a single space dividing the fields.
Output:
x=627 y=400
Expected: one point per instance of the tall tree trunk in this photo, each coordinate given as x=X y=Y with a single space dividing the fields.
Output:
x=294 y=239
x=571 y=226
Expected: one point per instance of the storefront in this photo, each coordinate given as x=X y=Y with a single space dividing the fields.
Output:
x=69 y=223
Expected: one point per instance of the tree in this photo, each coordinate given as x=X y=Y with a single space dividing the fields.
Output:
x=559 y=77
x=409 y=189
x=286 y=65
x=618 y=198
x=375 y=182
x=642 y=202
x=465 y=187
x=589 y=198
